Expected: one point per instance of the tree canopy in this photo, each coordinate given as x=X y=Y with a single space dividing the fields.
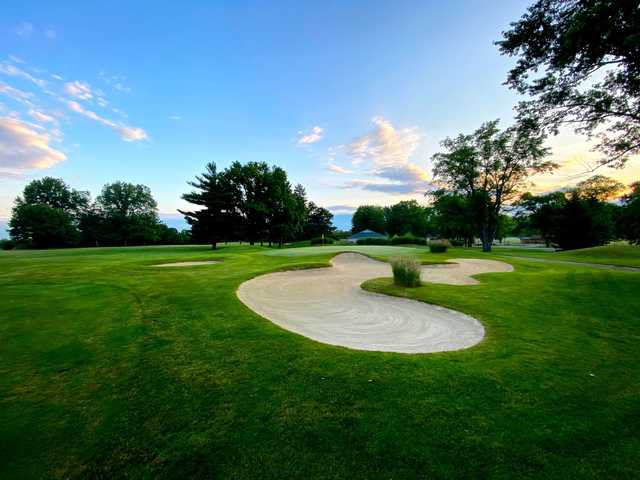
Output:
x=218 y=198
x=404 y=217
x=368 y=217
x=579 y=61
x=489 y=167
x=47 y=213
x=251 y=201
x=580 y=217
x=51 y=214
x=55 y=193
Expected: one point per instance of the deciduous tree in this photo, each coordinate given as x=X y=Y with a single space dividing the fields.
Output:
x=489 y=167
x=368 y=217
x=579 y=61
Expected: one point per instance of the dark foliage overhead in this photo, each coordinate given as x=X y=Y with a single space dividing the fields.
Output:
x=579 y=61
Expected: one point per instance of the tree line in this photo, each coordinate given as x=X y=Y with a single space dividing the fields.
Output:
x=252 y=202
x=592 y=213
x=50 y=214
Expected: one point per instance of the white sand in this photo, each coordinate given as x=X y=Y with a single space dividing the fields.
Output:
x=328 y=305
x=187 y=264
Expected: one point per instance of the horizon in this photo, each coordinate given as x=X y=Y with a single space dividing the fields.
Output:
x=351 y=105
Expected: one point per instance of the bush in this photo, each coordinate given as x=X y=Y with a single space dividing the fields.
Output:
x=321 y=241
x=439 y=246
x=407 y=238
x=457 y=243
x=374 y=241
x=406 y=271
x=7 y=244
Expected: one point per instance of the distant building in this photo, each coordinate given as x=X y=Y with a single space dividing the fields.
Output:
x=365 y=234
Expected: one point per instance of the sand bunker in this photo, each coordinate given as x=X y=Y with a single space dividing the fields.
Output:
x=462 y=270
x=328 y=305
x=187 y=264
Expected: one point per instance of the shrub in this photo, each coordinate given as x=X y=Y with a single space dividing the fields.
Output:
x=457 y=243
x=7 y=244
x=407 y=238
x=321 y=241
x=374 y=241
x=439 y=246
x=406 y=271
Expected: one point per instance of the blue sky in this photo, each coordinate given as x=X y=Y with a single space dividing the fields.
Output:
x=351 y=98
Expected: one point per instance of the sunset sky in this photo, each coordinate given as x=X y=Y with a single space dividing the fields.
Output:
x=351 y=98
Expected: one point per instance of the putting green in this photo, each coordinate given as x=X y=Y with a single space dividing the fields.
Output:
x=373 y=250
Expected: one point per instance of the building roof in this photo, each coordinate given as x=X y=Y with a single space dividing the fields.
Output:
x=367 y=234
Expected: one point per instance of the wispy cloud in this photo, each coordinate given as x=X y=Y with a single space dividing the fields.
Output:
x=12 y=70
x=175 y=117
x=384 y=154
x=78 y=89
x=25 y=146
x=24 y=30
x=578 y=161
x=41 y=117
x=117 y=82
x=122 y=88
x=312 y=137
x=342 y=208
x=16 y=94
x=394 y=188
x=384 y=145
x=128 y=134
x=332 y=167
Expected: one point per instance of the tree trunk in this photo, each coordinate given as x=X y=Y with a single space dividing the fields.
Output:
x=214 y=245
x=486 y=237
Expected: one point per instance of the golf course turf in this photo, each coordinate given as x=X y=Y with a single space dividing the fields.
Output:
x=110 y=368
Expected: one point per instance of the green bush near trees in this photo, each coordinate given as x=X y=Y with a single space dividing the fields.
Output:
x=373 y=241
x=407 y=239
x=439 y=246
x=322 y=241
x=6 y=244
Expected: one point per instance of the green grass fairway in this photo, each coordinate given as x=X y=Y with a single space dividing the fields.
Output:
x=110 y=368
x=621 y=254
